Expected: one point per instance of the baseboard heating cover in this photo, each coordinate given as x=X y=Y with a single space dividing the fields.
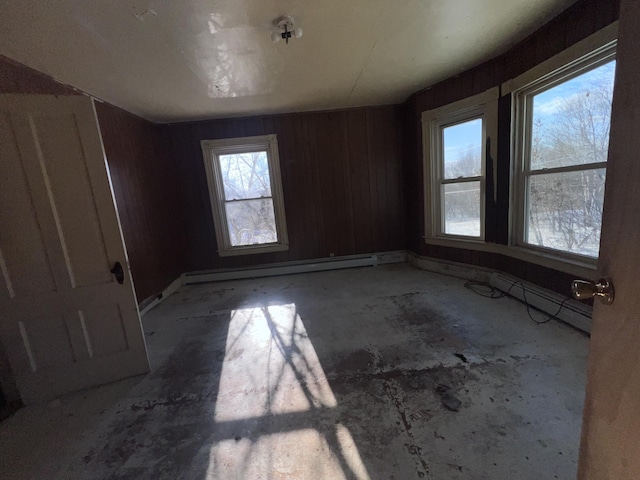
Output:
x=281 y=269
x=572 y=312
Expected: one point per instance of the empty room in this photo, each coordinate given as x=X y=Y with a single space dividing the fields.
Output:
x=319 y=240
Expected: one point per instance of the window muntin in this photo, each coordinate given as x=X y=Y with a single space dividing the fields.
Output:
x=246 y=194
x=247 y=197
x=245 y=175
x=461 y=180
x=456 y=148
x=565 y=122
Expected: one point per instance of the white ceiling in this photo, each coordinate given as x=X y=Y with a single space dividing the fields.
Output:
x=214 y=58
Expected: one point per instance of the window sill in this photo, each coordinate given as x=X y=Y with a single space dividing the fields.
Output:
x=551 y=260
x=254 y=249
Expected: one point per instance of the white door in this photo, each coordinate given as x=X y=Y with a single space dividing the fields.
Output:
x=610 y=447
x=66 y=323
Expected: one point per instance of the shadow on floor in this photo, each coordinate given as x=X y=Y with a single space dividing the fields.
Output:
x=293 y=379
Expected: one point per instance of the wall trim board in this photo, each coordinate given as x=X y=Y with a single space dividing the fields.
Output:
x=570 y=311
x=285 y=268
x=154 y=300
x=453 y=269
x=273 y=269
x=574 y=313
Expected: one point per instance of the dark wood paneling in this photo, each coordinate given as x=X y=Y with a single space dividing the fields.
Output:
x=574 y=24
x=342 y=183
x=143 y=177
x=18 y=78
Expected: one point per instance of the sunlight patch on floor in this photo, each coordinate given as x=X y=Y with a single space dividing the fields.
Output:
x=270 y=366
x=274 y=394
x=301 y=454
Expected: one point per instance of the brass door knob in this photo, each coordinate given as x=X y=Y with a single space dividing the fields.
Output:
x=583 y=290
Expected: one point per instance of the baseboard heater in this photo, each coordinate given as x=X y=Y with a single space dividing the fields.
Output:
x=285 y=268
x=573 y=312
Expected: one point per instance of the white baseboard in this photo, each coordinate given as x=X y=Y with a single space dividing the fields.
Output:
x=454 y=269
x=399 y=256
x=169 y=290
x=272 y=269
x=572 y=312
x=284 y=268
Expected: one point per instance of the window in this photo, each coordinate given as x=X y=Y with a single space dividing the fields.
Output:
x=246 y=194
x=455 y=145
x=562 y=128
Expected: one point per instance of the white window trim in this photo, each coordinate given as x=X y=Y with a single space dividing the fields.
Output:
x=211 y=149
x=546 y=259
x=602 y=49
x=571 y=55
x=483 y=105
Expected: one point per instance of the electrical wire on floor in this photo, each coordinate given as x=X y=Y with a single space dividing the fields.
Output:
x=484 y=289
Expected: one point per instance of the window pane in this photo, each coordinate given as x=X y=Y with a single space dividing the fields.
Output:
x=245 y=175
x=462 y=149
x=565 y=211
x=251 y=222
x=461 y=206
x=570 y=124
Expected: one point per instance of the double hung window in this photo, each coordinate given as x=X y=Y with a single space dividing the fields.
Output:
x=245 y=189
x=562 y=129
x=456 y=147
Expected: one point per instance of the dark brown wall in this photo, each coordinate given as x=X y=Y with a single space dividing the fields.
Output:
x=578 y=22
x=17 y=78
x=143 y=181
x=341 y=175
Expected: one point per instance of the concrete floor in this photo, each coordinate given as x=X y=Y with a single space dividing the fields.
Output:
x=323 y=376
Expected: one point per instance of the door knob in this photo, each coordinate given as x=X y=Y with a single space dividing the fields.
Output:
x=118 y=272
x=583 y=290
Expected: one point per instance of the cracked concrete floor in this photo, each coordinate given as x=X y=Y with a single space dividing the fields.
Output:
x=323 y=376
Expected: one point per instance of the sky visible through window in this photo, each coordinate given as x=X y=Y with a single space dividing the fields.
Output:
x=569 y=127
x=549 y=102
x=461 y=140
x=462 y=144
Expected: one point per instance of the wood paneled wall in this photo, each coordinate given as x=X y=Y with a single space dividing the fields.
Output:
x=341 y=176
x=147 y=195
x=574 y=24
x=17 y=78
x=143 y=178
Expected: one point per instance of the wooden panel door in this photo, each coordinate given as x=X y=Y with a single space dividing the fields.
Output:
x=65 y=322
x=610 y=447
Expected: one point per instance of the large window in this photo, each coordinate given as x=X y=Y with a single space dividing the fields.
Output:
x=562 y=124
x=246 y=194
x=455 y=143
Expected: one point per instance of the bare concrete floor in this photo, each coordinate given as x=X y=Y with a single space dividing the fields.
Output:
x=324 y=376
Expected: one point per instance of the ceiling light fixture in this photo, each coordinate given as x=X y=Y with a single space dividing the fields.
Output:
x=285 y=28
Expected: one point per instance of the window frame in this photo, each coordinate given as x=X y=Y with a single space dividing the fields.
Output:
x=484 y=106
x=529 y=85
x=211 y=150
